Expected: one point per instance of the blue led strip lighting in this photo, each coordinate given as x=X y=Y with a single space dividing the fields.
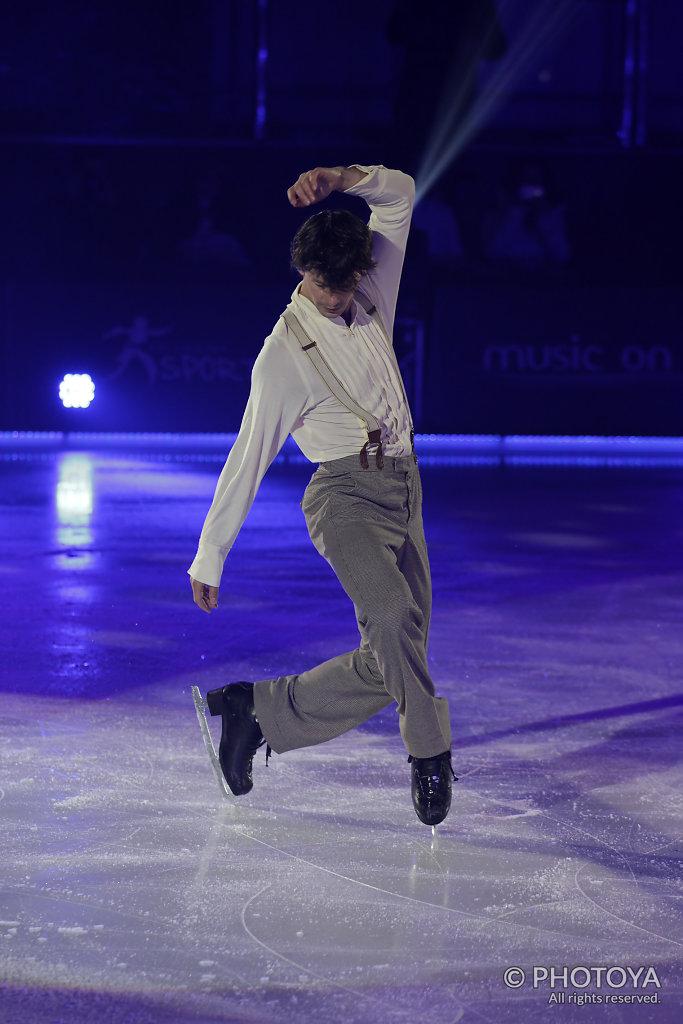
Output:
x=446 y=449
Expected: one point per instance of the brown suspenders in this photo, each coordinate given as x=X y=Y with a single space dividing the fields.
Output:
x=328 y=375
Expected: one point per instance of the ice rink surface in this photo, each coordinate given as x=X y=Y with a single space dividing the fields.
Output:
x=132 y=891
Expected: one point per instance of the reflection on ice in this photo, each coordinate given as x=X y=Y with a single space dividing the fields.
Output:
x=74 y=507
x=74 y=492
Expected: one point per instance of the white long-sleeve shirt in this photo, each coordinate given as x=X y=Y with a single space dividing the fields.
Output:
x=288 y=395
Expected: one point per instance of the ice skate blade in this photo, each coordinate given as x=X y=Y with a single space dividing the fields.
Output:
x=201 y=706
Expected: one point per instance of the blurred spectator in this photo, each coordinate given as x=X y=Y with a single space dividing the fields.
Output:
x=527 y=229
x=208 y=243
x=434 y=217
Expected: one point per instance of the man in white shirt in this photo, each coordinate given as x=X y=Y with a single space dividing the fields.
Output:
x=328 y=375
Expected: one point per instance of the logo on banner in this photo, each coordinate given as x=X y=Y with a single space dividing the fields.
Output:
x=166 y=366
x=575 y=357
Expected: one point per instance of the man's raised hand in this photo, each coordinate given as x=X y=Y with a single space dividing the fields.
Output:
x=316 y=185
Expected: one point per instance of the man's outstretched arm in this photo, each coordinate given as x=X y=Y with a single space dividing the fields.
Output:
x=276 y=402
x=314 y=186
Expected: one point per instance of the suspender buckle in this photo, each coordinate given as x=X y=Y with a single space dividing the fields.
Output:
x=373 y=438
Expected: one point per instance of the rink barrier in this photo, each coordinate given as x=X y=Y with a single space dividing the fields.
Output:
x=443 y=449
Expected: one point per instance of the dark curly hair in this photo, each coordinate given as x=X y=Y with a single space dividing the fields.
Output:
x=335 y=244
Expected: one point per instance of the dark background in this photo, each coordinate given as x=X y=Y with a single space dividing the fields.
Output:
x=147 y=148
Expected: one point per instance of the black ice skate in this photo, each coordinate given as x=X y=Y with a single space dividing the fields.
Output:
x=201 y=707
x=241 y=735
x=431 y=786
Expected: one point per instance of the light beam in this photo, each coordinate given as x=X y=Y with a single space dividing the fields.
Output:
x=449 y=138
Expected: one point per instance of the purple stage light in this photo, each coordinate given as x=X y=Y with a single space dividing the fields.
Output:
x=77 y=390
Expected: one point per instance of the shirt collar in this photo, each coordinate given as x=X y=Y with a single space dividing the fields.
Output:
x=308 y=310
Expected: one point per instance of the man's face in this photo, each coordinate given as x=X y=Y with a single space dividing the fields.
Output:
x=331 y=302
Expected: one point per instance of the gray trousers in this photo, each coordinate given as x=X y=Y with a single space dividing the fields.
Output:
x=367 y=523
